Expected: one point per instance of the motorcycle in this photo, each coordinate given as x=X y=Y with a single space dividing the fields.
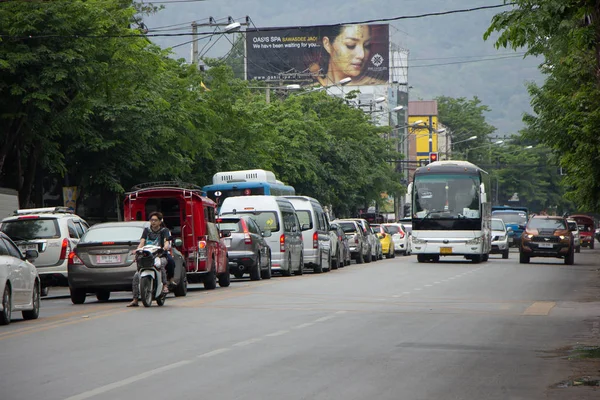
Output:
x=150 y=262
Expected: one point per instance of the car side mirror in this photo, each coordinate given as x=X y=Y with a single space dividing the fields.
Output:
x=509 y=229
x=305 y=227
x=178 y=242
x=31 y=255
x=332 y=229
x=266 y=233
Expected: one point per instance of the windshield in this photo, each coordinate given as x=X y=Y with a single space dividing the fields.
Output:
x=266 y=220
x=518 y=218
x=497 y=225
x=113 y=234
x=443 y=196
x=546 y=223
x=28 y=229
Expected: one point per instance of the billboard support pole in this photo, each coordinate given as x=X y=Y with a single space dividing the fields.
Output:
x=194 y=43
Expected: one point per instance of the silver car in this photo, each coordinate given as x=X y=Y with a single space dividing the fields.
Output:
x=104 y=261
x=53 y=232
x=499 y=238
x=359 y=248
x=247 y=249
x=574 y=228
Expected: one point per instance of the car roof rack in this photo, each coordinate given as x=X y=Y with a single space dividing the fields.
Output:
x=166 y=184
x=44 y=210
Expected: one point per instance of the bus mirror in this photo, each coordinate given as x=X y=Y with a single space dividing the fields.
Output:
x=409 y=189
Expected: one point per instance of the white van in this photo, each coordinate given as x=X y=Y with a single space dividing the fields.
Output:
x=275 y=214
x=315 y=233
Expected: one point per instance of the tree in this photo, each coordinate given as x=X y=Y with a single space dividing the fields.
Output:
x=566 y=34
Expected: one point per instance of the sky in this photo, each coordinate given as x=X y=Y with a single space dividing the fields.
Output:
x=447 y=53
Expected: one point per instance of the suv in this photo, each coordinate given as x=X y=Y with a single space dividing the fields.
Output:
x=53 y=232
x=359 y=248
x=547 y=236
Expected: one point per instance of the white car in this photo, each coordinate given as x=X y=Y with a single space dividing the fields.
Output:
x=19 y=282
x=400 y=236
x=575 y=232
x=499 y=238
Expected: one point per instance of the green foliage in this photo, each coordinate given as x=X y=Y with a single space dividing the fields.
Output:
x=566 y=106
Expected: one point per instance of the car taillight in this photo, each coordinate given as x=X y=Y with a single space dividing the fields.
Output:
x=383 y=235
x=247 y=238
x=282 y=243
x=401 y=234
x=202 y=253
x=356 y=239
x=65 y=250
x=74 y=260
x=316 y=240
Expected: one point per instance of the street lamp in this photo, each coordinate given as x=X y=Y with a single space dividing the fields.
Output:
x=479 y=147
x=453 y=143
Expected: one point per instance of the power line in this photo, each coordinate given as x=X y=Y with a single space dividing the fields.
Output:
x=464 y=62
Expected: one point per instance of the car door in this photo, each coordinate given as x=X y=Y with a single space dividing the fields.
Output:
x=15 y=273
x=26 y=271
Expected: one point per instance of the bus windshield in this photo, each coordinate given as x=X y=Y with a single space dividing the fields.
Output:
x=446 y=196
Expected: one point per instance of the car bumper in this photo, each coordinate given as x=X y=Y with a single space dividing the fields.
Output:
x=532 y=249
x=244 y=258
x=499 y=247
x=114 y=279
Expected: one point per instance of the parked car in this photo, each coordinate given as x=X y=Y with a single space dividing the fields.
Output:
x=190 y=217
x=574 y=228
x=500 y=244
x=385 y=239
x=247 y=247
x=19 y=282
x=373 y=243
x=547 y=236
x=400 y=236
x=342 y=254
x=275 y=214
x=315 y=233
x=104 y=261
x=359 y=248
x=53 y=232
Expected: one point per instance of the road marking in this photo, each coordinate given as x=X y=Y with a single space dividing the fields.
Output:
x=128 y=381
x=436 y=283
x=539 y=308
x=417 y=289
x=213 y=353
x=323 y=319
x=341 y=312
x=428 y=285
x=278 y=333
x=302 y=326
x=247 y=342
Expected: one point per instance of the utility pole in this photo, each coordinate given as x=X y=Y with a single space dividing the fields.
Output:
x=195 y=42
x=230 y=26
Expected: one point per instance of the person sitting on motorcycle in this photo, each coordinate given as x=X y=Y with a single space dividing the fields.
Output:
x=158 y=236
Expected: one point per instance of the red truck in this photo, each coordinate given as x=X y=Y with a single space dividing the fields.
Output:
x=190 y=217
x=587 y=229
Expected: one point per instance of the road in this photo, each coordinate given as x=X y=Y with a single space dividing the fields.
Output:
x=385 y=330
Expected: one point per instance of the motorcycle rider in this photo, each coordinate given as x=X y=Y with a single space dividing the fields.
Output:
x=159 y=236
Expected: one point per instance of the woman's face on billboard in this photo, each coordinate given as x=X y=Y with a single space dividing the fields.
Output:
x=349 y=51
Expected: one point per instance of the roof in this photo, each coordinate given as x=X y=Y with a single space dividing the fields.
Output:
x=424 y=107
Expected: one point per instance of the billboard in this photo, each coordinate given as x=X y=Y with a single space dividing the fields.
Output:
x=319 y=54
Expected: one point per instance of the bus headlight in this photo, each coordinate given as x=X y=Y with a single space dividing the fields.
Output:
x=477 y=240
x=418 y=241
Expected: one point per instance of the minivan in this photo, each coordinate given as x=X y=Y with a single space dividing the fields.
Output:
x=315 y=233
x=277 y=215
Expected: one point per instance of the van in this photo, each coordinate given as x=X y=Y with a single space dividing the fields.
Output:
x=315 y=233
x=277 y=215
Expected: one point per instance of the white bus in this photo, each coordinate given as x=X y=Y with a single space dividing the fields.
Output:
x=451 y=215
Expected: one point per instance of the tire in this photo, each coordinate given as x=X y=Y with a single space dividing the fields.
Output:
x=360 y=259
x=336 y=264
x=225 y=279
x=328 y=268
x=570 y=258
x=592 y=244
x=369 y=257
x=505 y=254
x=210 y=279
x=45 y=291
x=421 y=258
x=523 y=258
x=103 y=295
x=288 y=272
x=476 y=258
x=578 y=249
x=160 y=301
x=238 y=275
x=255 y=270
x=266 y=273
x=317 y=269
x=35 y=313
x=146 y=290
x=301 y=268
x=6 y=314
x=78 y=296
x=181 y=289
x=435 y=259
x=485 y=257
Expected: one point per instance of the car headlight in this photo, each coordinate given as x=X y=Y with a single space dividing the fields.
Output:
x=528 y=236
x=476 y=240
x=501 y=238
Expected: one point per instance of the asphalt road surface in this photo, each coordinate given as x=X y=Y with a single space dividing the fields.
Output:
x=392 y=329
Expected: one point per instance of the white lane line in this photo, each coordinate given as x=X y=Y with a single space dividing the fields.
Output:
x=396 y=296
x=247 y=342
x=213 y=353
x=341 y=312
x=428 y=285
x=405 y=292
x=323 y=319
x=417 y=289
x=128 y=381
x=436 y=283
x=306 y=325
x=278 y=333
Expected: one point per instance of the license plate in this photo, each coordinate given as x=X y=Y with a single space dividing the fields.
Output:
x=109 y=259
x=545 y=245
x=25 y=247
x=445 y=250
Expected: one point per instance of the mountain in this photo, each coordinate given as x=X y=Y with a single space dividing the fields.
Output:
x=448 y=55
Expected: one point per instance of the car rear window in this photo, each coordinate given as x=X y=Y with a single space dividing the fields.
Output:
x=113 y=234
x=348 y=227
x=229 y=226
x=544 y=223
x=30 y=229
x=393 y=229
x=266 y=220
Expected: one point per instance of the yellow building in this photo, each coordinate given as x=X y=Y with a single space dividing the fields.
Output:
x=422 y=131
